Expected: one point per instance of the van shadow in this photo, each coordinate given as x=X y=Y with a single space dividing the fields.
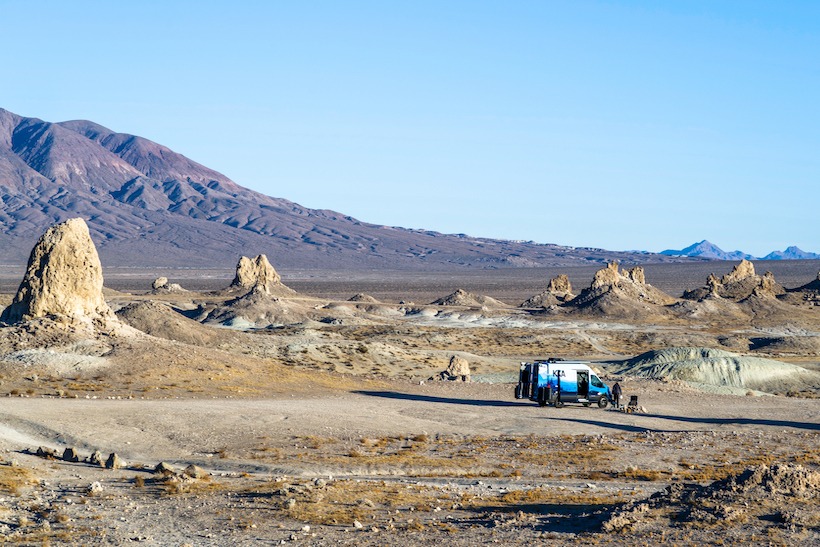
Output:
x=448 y=400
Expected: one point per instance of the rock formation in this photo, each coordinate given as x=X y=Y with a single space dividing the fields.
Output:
x=257 y=273
x=739 y=284
x=162 y=286
x=560 y=285
x=559 y=290
x=606 y=277
x=63 y=279
x=361 y=297
x=458 y=369
x=627 y=293
x=460 y=297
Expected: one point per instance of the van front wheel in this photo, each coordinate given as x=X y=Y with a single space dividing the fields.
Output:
x=603 y=402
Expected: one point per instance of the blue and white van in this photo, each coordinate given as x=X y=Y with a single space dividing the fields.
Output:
x=557 y=382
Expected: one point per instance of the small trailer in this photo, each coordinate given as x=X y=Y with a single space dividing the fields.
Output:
x=556 y=382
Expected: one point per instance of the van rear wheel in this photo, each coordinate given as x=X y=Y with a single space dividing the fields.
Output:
x=559 y=404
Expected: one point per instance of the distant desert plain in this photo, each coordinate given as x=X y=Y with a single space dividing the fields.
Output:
x=372 y=407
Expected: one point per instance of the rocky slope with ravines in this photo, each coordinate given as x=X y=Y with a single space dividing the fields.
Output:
x=147 y=205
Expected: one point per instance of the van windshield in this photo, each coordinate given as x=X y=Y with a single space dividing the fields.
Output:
x=596 y=382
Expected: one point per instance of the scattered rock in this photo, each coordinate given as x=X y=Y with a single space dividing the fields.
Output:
x=164 y=468
x=44 y=452
x=96 y=458
x=458 y=369
x=195 y=472
x=159 y=283
x=70 y=455
x=114 y=461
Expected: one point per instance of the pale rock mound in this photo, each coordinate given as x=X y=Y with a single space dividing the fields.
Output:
x=63 y=280
x=253 y=273
x=713 y=367
x=625 y=293
x=363 y=298
x=458 y=369
x=258 y=309
x=463 y=298
x=559 y=290
x=160 y=320
x=162 y=286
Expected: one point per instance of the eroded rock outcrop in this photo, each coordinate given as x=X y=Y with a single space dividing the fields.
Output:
x=559 y=290
x=739 y=284
x=616 y=292
x=257 y=274
x=63 y=279
x=460 y=297
x=161 y=285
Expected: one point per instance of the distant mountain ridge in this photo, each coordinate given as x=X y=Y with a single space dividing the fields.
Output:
x=705 y=249
x=148 y=206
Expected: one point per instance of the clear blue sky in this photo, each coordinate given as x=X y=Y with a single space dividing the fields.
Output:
x=622 y=125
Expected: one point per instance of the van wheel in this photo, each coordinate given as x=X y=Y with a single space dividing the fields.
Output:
x=559 y=404
x=603 y=402
x=585 y=404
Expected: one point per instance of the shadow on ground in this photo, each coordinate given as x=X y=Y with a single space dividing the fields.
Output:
x=434 y=399
x=552 y=517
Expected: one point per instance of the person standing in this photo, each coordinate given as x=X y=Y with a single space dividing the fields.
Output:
x=616 y=395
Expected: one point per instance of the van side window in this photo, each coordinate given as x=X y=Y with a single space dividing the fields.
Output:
x=596 y=382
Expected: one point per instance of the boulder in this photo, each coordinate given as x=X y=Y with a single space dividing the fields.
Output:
x=63 y=278
x=195 y=472
x=96 y=459
x=162 y=286
x=163 y=468
x=70 y=455
x=114 y=462
x=458 y=369
x=159 y=283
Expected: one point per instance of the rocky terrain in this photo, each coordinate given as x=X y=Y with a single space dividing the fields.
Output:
x=257 y=411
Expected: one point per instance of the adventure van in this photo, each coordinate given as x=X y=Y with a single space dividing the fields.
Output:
x=556 y=382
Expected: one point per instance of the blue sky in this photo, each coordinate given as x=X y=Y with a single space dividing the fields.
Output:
x=621 y=125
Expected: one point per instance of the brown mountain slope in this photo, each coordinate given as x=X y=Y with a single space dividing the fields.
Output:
x=149 y=206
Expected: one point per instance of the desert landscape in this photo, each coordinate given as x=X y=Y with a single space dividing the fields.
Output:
x=231 y=407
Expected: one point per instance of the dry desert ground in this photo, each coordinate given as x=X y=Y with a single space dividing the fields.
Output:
x=291 y=412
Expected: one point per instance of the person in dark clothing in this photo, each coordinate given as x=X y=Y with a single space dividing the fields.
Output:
x=616 y=395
